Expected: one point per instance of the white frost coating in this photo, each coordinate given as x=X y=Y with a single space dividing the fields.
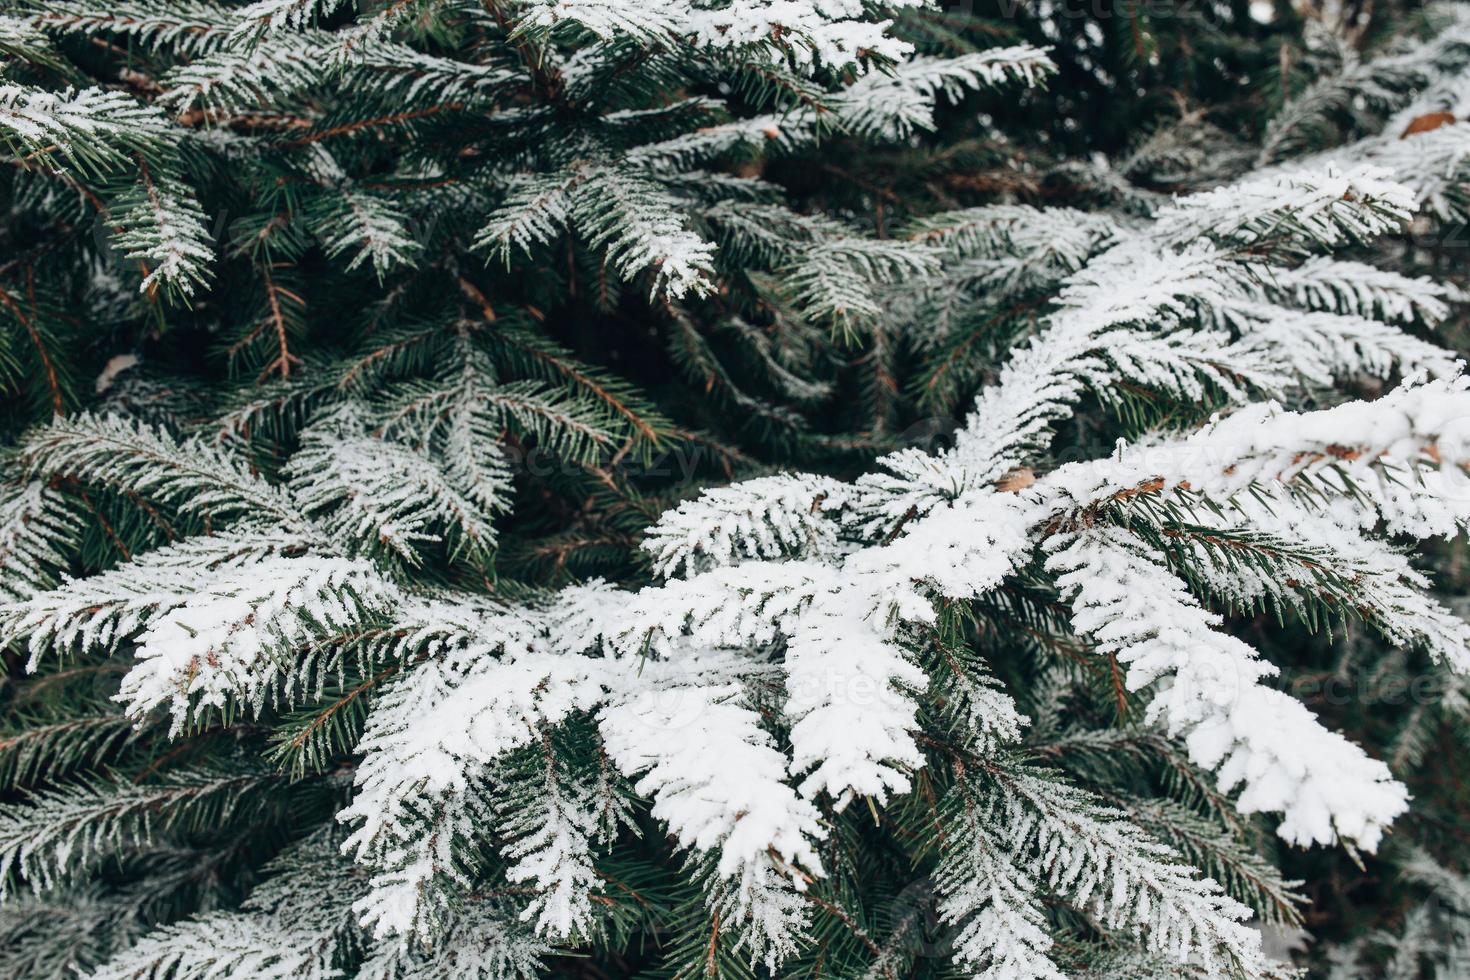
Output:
x=1358 y=289
x=162 y=225
x=374 y=230
x=429 y=742
x=290 y=928
x=1004 y=250
x=494 y=683
x=849 y=681
x=381 y=494
x=70 y=117
x=1327 y=206
x=742 y=807
x=645 y=229
x=853 y=718
x=831 y=33
x=190 y=28
x=1406 y=453
x=297 y=923
x=94 y=612
x=642 y=226
x=279 y=14
x=1431 y=162
x=36 y=526
x=893 y=104
x=481 y=942
x=1131 y=282
x=1323 y=347
x=845 y=677
x=158 y=222
x=761 y=518
x=24 y=39
x=240 y=78
x=718 y=784
x=882 y=105
x=579 y=618
x=744 y=606
x=1001 y=921
x=1126 y=880
x=552 y=849
x=222 y=946
x=235 y=637
x=1126 y=600
x=1153 y=281
x=961 y=550
x=433 y=738
x=1386 y=589
x=688 y=149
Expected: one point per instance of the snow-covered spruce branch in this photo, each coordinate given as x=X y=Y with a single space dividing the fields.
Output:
x=1271 y=549
x=831 y=606
x=1418 y=431
x=192 y=27
x=995 y=905
x=624 y=208
x=884 y=105
x=1403 y=458
x=558 y=816
x=291 y=926
x=190 y=476
x=37 y=527
x=161 y=225
x=380 y=492
x=1175 y=307
x=635 y=220
x=1255 y=736
x=238 y=62
x=299 y=923
x=833 y=36
x=1410 y=136
x=892 y=105
x=100 y=610
x=1384 y=445
x=517 y=672
x=772 y=517
x=56 y=834
x=235 y=79
x=93 y=127
x=1379 y=84
x=253 y=603
x=1018 y=816
x=420 y=793
x=101 y=132
x=224 y=644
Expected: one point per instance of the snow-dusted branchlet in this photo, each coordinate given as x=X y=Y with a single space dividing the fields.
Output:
x=331 y=618
x=221 y=641
x=833 y=34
